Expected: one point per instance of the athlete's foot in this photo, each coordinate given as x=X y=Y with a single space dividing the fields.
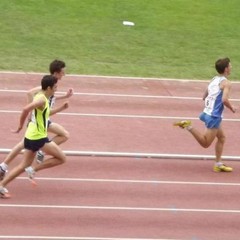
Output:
x=2 y=173
x=220 y=167
x=183 y=124
x=30 y=172
x=40 y=156
x=4 y=193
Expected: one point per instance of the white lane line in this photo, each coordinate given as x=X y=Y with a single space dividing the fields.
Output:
x=107 y=77
x=138 y=116
x=110 y=208
x=123 y=116
x=114 y=115
x=79 y=238
x=138 y=155
x=113 y=95
x=121 y=95
x=129 y=181
x=116 y=77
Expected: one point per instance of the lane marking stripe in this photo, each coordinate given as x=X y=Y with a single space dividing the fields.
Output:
x=121 y=95
x=124 y=116
x=116 y=77
x=79 y=238
x=122 y=208
x=100 y=180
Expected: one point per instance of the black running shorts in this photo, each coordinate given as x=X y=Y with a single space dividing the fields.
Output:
x=35 y=145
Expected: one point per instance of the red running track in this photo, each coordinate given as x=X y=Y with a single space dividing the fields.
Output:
x=123 y=198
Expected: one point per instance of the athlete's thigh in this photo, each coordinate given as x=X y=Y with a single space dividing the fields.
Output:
x=28 y=157
x=56 y=129
x=51 y=148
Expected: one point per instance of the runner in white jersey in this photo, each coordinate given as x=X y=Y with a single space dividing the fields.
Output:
x=216 y=97
x=213 y=102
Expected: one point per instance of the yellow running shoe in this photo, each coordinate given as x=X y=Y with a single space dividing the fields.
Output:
x=222 y=168
x=183 y=124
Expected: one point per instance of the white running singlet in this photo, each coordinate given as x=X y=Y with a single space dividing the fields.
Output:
x=213 y=102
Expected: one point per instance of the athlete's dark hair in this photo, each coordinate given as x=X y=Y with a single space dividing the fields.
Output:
x=221 y=64
x=48 y=81
x=56 y=66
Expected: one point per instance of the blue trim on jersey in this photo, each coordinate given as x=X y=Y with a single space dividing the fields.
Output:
x=218 y=106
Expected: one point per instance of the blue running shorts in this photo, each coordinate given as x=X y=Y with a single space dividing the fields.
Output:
x=210 y=121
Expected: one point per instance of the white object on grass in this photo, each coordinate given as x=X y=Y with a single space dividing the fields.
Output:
x=127 y=23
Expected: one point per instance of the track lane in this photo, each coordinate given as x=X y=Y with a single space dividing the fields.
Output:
x=121 y=224
x=115 y=223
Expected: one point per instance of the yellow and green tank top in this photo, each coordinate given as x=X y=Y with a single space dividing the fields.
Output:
x=37 y=127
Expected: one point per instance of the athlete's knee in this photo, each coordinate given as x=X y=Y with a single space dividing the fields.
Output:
x=222 y=139
x=206 y=145
x=61 y=138
x=66 y=135
x=62 y=159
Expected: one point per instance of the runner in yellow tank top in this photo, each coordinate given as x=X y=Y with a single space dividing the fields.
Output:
x=37 y=127
x=36 y=134
x=61 y=135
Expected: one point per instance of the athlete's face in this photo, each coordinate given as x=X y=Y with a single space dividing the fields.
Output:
x=54 y=88
x=60 y=74
x=229 y=68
